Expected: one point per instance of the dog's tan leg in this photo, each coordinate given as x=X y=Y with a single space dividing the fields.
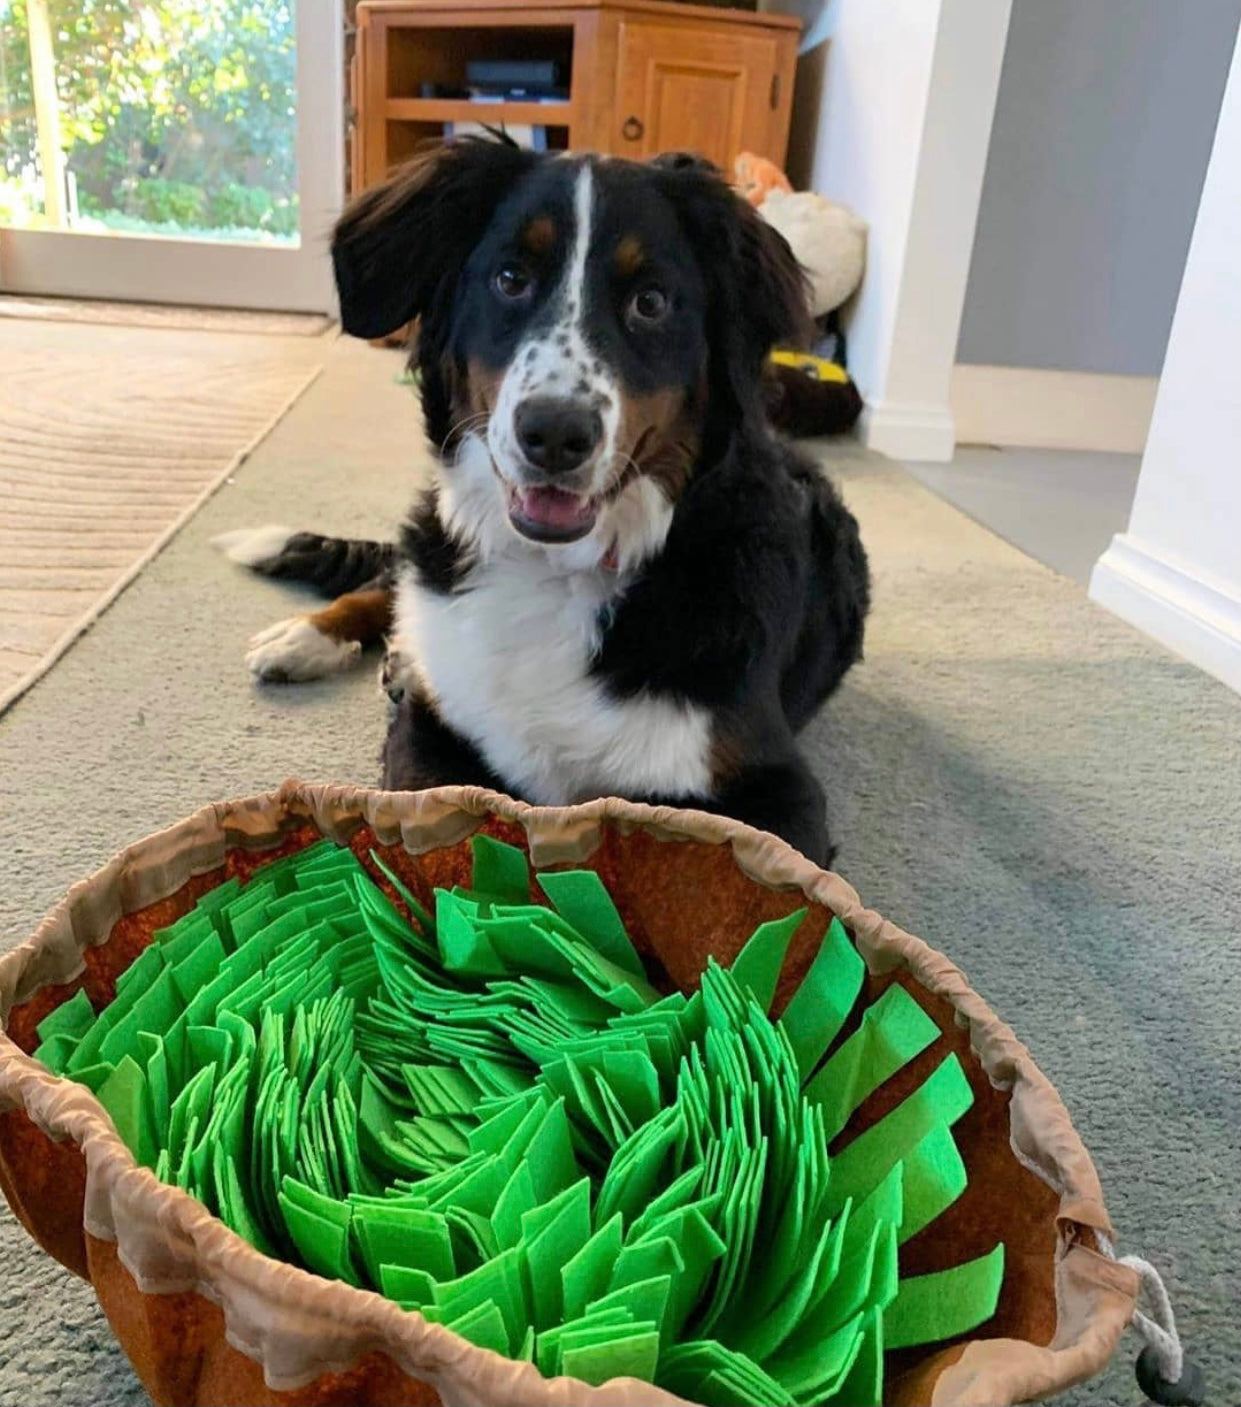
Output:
x=325 y=642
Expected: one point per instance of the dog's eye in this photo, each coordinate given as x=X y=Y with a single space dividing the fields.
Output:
x=647 y=306
x=513 y=281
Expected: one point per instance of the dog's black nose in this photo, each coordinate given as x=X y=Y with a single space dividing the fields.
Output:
x=557 y=435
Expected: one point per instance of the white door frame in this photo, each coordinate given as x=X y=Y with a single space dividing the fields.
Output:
x=208 y=273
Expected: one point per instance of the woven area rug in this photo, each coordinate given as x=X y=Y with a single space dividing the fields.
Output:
x=110 y=439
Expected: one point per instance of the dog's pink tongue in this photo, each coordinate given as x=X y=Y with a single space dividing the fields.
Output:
x=554 y=508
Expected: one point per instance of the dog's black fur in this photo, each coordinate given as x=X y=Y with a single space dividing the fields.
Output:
x=753 y=607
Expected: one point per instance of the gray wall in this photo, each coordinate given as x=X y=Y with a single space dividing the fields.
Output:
x=1102 y=132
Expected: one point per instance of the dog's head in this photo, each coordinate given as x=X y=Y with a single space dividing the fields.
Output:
x=591 y=330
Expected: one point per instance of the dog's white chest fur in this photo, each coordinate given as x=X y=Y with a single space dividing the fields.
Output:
x=507 y=660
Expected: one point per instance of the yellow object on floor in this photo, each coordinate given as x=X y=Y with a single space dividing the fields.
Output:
x=818 y=368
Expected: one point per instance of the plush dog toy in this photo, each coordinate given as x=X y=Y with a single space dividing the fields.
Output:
x=810 y=395
x=828 y=239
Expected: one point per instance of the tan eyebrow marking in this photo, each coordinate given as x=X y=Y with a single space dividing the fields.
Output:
x=630 y=256
x=539 y=235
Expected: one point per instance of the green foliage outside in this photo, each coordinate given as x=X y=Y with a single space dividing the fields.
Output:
x=175 y=114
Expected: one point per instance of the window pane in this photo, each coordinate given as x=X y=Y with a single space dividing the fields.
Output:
x=172 y=117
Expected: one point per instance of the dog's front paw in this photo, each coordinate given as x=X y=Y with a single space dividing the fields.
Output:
x=294 y=650
x=394 y=674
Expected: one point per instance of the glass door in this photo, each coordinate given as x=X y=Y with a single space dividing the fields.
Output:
x=184 y=151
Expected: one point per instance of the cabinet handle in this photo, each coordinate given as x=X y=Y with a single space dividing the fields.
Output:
x=775 y=91
x=632 y=130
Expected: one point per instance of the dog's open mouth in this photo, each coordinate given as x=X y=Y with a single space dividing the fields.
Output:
x=551 y=515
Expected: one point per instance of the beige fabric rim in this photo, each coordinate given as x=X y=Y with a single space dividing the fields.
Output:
x=298 y=1325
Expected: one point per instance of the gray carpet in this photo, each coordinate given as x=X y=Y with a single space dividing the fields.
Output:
x=1016 y=776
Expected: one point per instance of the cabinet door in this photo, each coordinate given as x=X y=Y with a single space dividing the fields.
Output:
x=684 y=88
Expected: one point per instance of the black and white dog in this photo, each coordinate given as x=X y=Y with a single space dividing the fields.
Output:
x=620 y=583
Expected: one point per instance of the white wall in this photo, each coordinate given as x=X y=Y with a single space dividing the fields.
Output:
x=1176 y=572
x=900 y=134
x=1102 y=132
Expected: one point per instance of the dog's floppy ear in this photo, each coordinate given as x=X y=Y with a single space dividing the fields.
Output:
x=397 y=244
x=758 y=292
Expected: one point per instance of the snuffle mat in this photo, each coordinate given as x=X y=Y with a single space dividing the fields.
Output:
x=376 y=1098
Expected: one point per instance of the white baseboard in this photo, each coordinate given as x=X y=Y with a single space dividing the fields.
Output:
x=1196 y=619
x=1029 y=407
x=908 y=431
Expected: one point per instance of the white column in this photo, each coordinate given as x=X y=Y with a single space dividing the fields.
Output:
x=909 y=92
x=1176 y=572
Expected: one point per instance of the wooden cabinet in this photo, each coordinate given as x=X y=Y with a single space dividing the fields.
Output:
x=644 y=77
x=682 y=89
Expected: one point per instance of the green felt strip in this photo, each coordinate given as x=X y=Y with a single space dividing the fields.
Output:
x=208 y=1045
x=894 y=1030
x=500 y=870
x=466 y=950
x=323 y=1243
x=549 y=1154
x=409 y=1285
x=123 y=1094
x=705 y=1370
x=473 y=1239
x=552 y=1235
x=636 y=1168
x=72 y=1018
x=861 y=1165
x=588 y=1329
x=234 y=1204
x=580 y=898
x=860 y=1384
x=440 y=1089
x=946 y=1303
x=586 y=1274
x=855 y=1281
x=934 y=1179
x=493 y=1134
x=701 y=1246
x=419 y=913
x=56 y=1052
x=762 y=1336
x=816 y=1368
x=647 y=1259
x=633 y=1355
x=757 y=967
x=514 y=1202
x=500 y=1282
x=180 y=939
x=483 y=1326
x=139 y=975
x=404 y=1236
x=198 y=966
x=818 y=1008
x=644 y=1299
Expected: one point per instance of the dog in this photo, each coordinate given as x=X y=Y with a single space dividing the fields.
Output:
x=621 y=582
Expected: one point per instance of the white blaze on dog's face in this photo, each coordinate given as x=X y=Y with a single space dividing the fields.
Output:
x=579 y=352
x=553 y=432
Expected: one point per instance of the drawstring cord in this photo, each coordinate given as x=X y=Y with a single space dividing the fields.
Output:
x=1164 y=1373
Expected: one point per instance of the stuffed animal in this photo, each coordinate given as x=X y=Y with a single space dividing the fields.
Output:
x=756 y=177
x=828 y=239
x=810 y=395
